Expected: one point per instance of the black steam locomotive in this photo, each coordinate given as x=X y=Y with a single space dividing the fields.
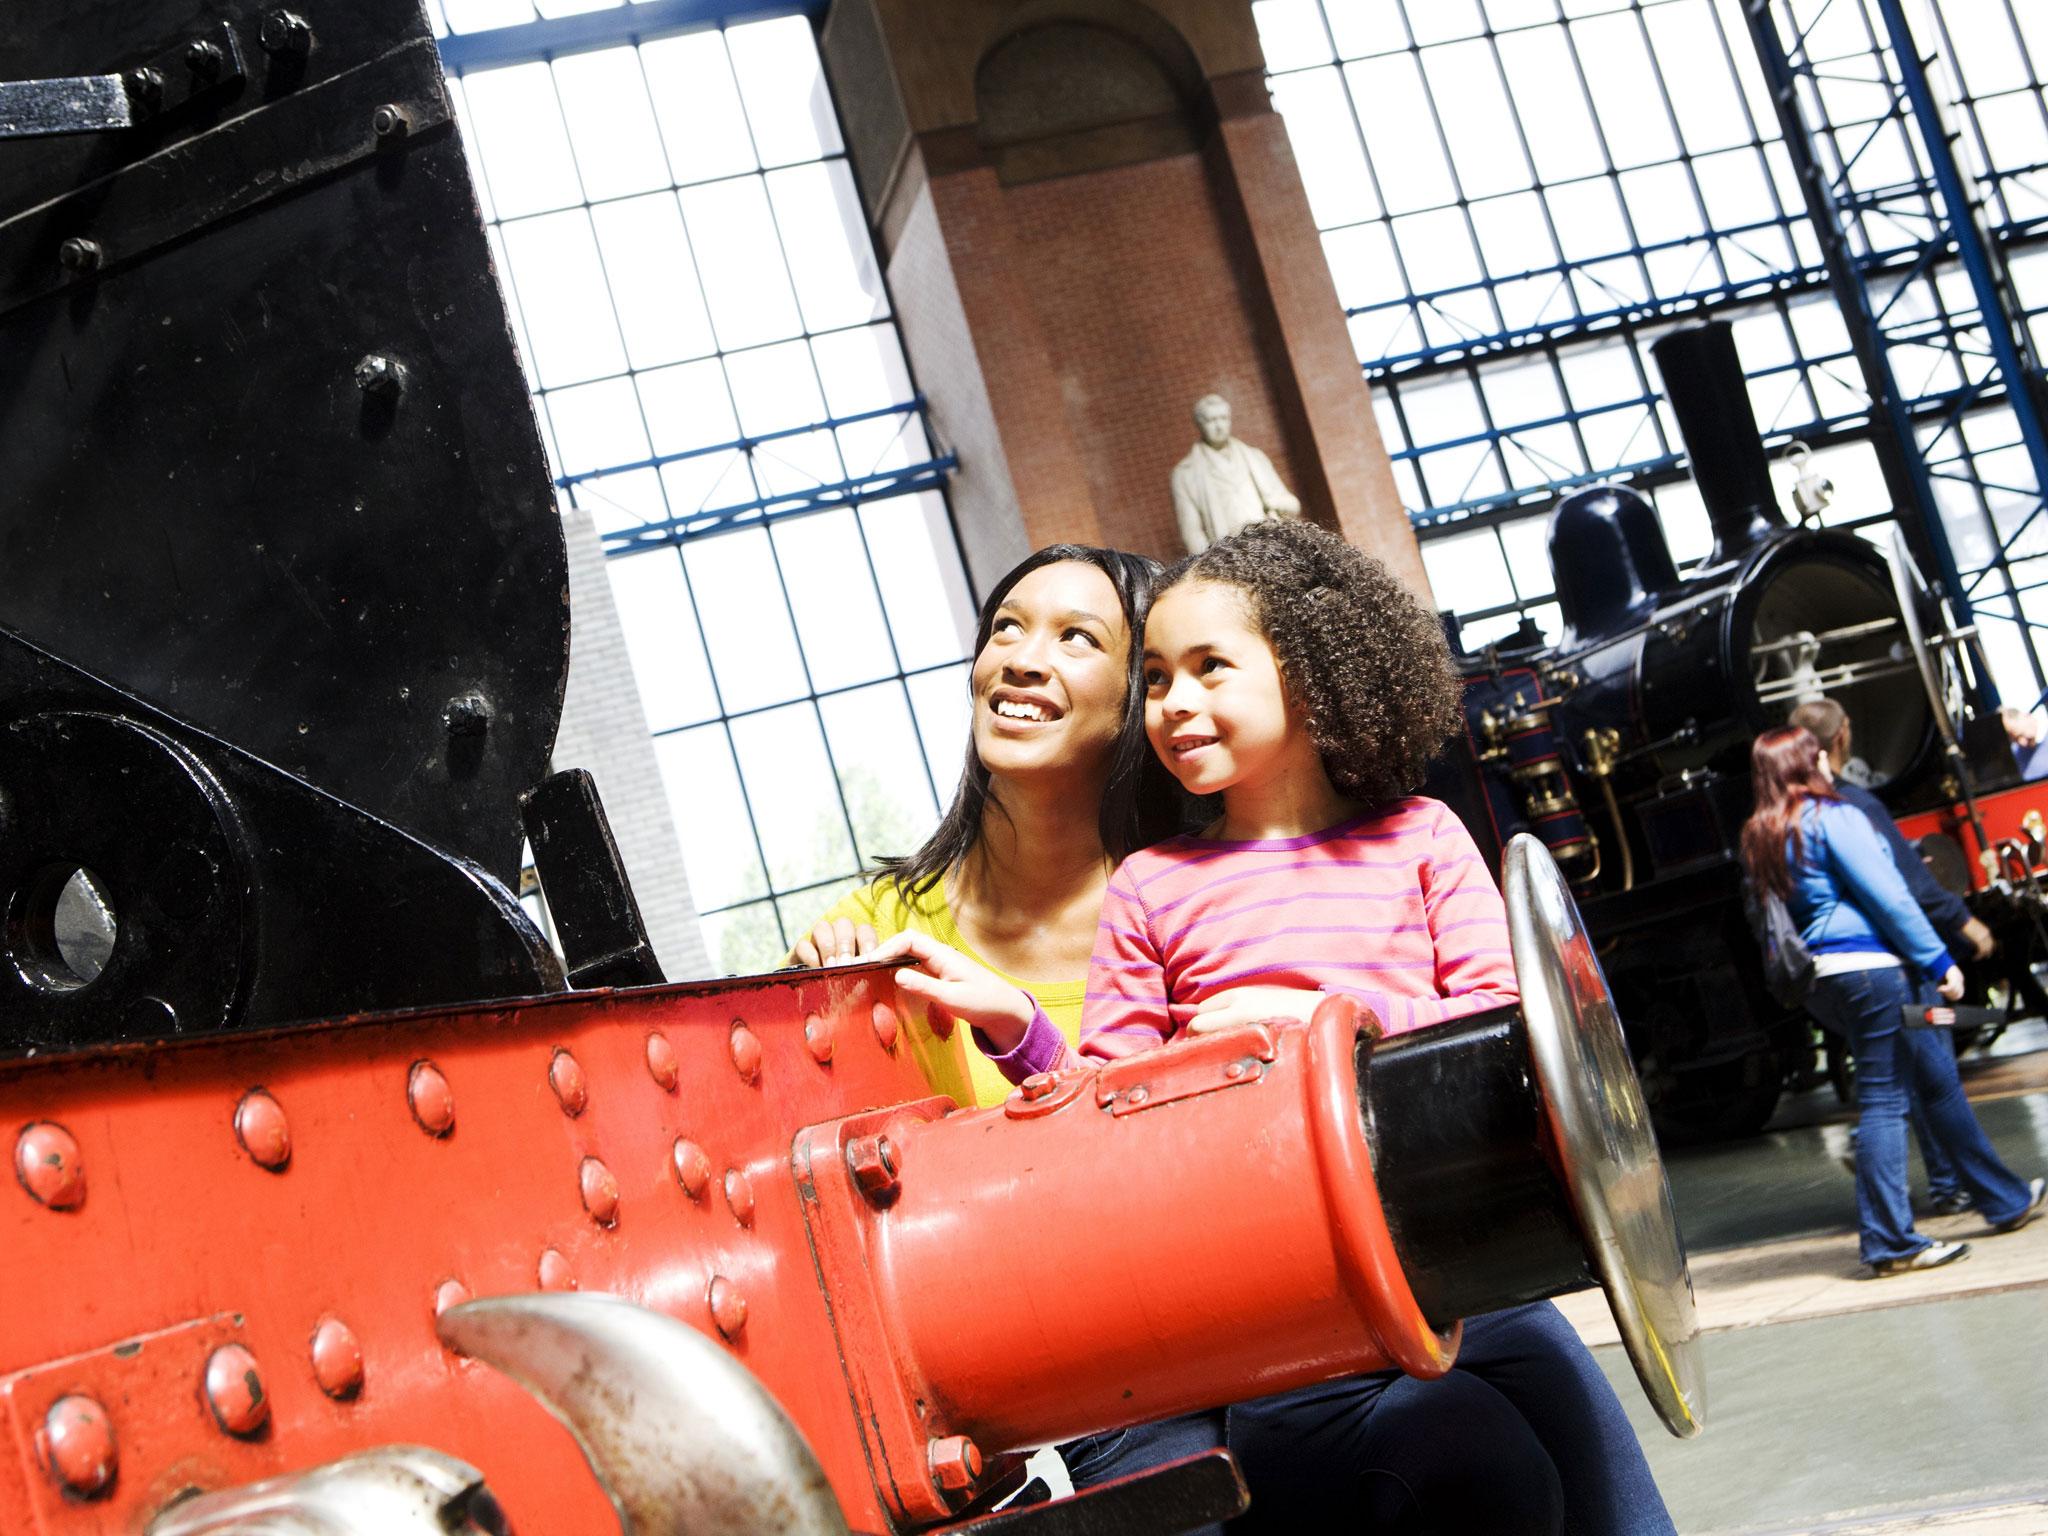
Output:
x=1625 y=745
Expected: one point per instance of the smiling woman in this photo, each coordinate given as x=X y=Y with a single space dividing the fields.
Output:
x=1013 y=877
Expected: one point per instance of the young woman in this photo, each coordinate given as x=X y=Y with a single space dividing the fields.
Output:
x=1874 y=954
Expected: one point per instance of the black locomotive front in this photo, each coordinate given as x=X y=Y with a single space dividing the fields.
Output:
x=1625 y=745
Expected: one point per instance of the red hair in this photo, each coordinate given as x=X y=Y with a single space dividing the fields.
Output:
x=1784 y=773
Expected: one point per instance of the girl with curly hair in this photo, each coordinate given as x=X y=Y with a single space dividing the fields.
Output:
x=1294 y=678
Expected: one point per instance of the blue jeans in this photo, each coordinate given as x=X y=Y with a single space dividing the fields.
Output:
x=1523 y=1435
x=1894 y=1062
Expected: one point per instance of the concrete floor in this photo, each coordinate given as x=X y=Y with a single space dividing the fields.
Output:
x=1839 y=1403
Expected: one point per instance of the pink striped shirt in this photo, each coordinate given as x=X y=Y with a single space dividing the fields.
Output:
x=1395 y=907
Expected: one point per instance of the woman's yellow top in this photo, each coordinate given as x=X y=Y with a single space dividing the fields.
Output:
x=954 y=1065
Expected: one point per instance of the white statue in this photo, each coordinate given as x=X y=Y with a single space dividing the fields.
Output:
x=1223 y=484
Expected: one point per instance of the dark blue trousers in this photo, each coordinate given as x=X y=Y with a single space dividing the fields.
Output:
x=1523 y=1435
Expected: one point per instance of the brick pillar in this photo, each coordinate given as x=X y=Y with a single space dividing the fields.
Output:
x=1091 y=217
x=604 y=730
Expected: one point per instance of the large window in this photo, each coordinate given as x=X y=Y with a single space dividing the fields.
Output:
x=720 y=383
x=1516 y=197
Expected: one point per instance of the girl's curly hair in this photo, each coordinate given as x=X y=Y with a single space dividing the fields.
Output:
x=1362 y=657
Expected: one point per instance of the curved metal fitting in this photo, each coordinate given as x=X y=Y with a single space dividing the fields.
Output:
x=681 y=1435
x=395 y=1490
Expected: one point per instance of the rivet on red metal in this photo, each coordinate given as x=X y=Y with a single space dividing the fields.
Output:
x=555 y=1274
x=449 y=1293
x=739 y=1197
x=956 y=1463
x=47 y=1162
x=565 y=1076
x=76 y=1444
x=693 y=1167
x=746 y=1050
x=261 y=1128
x=728 y=1307
x=234 y=1391
x=818 y=1036
x=337 y=1359
x=600 y=1192
x=661 y=1063
x=1038 y=1085
x=885 y=1026
x=432 y=1100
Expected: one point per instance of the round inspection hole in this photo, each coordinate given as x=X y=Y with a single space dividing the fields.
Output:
x=64 y=929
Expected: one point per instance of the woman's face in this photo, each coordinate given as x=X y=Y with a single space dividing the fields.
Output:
x=1049 y=684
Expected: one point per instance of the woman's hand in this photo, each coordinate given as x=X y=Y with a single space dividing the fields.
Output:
x=1952 y=985
x=951 y=986
x=833 y=943
x=1982 y=943
x=1253 y=1005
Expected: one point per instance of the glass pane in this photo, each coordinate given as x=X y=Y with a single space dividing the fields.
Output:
x=1543 y=80
x=944 y=719
x=597 y=426
x=662 y=641
x=1291 y=33
x=482 y=15
x=775 y=388
x=825 y=237
x=688 y=407
x=1325 y=140
x=862 y=370
x=459 y=99
x=1485 y=142
x=1513 y=236
x=788 y=106
x=711 y=817
x=740 y=261
x=653 y=280
x=611 y=123
x=798 y=465
x=1623 y=84
x=1704 y=96
x=745 y=941
x=881 y=770
x=521 y=140
x=698 y=106
x=707 y=482
x=746 y=621
x=1400 y=133
x=1527 y=542
x=631 y=500
x=789 y=780
x=838 y=613
x=563 y=298
x=1467 y=571
x=924 y=589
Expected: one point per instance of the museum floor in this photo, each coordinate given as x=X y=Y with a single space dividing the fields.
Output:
x=1839 y=1403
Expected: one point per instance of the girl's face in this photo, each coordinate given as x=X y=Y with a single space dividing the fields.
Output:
x=1049 y=684
x=1216 y=711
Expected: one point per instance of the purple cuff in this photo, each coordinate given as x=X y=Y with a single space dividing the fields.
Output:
x=1039 y=1050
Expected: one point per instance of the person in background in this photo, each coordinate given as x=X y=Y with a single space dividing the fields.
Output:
x=1959 y=929
x=1875 y=955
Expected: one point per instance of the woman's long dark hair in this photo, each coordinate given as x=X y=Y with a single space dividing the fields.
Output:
x=1784 y=773
x=1140 y=803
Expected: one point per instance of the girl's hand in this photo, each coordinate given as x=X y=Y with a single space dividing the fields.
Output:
x=1952 y=985
x=1253 y=1005
x=953 y=987
x=833 y=943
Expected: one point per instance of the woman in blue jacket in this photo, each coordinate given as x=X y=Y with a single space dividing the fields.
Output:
x=1874 y=954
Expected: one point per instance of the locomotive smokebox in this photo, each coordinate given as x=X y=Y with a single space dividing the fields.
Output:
x=1704 y=383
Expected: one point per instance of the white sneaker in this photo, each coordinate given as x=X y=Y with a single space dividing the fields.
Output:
x=1933 y=1256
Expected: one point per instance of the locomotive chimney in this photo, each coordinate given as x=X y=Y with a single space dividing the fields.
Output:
x=1703 y=381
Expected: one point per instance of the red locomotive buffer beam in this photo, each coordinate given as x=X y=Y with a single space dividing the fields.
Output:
x=233 y=1262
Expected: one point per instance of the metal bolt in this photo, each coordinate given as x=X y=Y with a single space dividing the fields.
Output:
x=47 y=1161
x=872 y=1162
x=739 y=1197
x=1234 y=1071
x=261 y=1128
x=467 y=714
x=693 y=1168
x=955 y=1463
x=81 y=255
x=145 y=85
x=234 y=1391
x=818 y=1036
x=390 y=122
x=746 y=1050
x=380 y=376
x=431 y=1099
x=337 y=1359
x=554 y=1271
x=76 y=1444
x=1038 y=1085
x=202 y=57
x=661 y=1063
x=285 y=32
x=886 y=1026
x=728 y=1307
x=1138 y=1095
x=565 y=1076
x=449 y=1293
x=600 y=1192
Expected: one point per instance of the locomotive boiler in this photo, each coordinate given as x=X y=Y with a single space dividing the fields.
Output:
x=341 y=1201
x=1624 y=744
